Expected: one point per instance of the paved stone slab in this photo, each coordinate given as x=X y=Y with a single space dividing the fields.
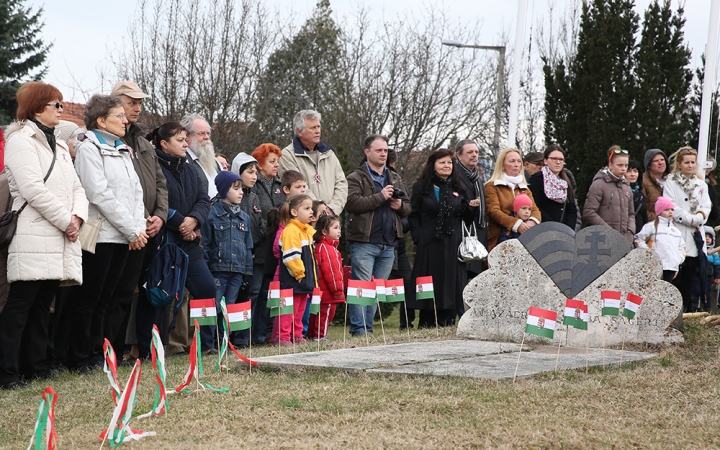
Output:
x=501 y=366
x=383 y=355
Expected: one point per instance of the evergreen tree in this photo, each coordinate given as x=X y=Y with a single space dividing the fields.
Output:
x=662 y=112
x=589 y=100
x=22 y=51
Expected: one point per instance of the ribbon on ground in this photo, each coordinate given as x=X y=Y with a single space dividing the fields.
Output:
x=44 y=436
x=226 y=335
x=196 y=369
x=157 y=350
x=110 y=369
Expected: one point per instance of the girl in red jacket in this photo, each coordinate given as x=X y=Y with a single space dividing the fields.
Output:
x=330 y=275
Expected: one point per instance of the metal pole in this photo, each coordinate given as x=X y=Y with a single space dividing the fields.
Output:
x=708 y=85
x=499 y=100
x=517 y=62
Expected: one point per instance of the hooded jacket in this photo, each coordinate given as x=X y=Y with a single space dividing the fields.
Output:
x=330 y=270
x=40 y=249
x=609 y=202
x=666 y=241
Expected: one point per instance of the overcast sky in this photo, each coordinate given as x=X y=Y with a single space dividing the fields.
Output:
x=83 y=31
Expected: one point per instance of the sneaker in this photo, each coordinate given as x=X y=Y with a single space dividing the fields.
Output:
x=319 y=339
x=300 y=340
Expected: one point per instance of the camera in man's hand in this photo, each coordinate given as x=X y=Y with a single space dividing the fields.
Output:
x=398 y=193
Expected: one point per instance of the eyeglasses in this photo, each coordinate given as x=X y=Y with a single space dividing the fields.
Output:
x=57 y=105
x=618 y=151
x=559 y=160
x=119 y=116
x=202 y=133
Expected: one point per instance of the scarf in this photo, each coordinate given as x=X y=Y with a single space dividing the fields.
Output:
x=512 y=181
x=556 y=189
x=443 y=226
x=688 y=187
x=474 y=177
x=48 y=132
x=635 y=187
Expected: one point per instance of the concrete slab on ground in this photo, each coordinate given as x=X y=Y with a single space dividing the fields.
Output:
x=465 y=358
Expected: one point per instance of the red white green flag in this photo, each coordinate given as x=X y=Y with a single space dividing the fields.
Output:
x=631 y=305
x=286 y=304
x=239 y=316
x=576 y=314
x=610 y=303
x=110 y=369
x=315 y=301
x=380 y=290
x=274 y=295
x=541 y=322
x=203 y=310
x=44 y=437
x=424 y=288
x=394 y=291
x=361 y=292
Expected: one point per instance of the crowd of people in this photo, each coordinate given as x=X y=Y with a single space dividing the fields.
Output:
x=276 y=216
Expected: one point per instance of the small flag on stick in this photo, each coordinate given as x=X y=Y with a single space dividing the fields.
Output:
x=274 y=295
x=315 y=301
x=424 y=288
x=361 y=292
x=631 y=305
x=394 y=291
x=380 y=290
x=286 y=304
x=44 y=436
x=240 y=316
x=541 y=322
x=576 y=314
x=203 y=310
x=610 y=303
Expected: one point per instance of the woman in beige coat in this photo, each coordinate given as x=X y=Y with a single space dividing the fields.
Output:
x=45 y=251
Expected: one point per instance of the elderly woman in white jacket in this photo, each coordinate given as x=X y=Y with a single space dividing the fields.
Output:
x=692 y=206
x=45 y=251
x=113 y=188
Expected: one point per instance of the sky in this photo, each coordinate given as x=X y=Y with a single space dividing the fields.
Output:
x=84 y=32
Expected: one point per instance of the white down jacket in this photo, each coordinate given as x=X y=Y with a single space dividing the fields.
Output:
x=686 y=222
x=40 y=249
x=667 y=241
x=112 y=188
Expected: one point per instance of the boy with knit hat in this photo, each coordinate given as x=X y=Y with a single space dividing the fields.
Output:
x=522 y=209
x=662 y=236
x=227 y=239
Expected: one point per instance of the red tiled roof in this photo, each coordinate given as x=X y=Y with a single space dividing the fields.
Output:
x=73 y=112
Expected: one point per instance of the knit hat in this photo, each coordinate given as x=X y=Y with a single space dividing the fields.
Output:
x=520 y=201
x=128 y=88
x=534 y=157
x=662 y=204
x=66 y=130
x=711 y=232
x=241 y=161
x=650 y=154
x=224 y=180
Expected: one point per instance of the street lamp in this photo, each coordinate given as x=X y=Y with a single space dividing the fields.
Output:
x=500 y=81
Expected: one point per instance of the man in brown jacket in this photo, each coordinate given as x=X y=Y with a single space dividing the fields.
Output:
x=155 y=198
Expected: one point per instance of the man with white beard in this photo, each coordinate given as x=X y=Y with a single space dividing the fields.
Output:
x=200 y=150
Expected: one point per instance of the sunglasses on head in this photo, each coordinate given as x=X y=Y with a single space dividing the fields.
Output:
x=687 y=150
x=619 y=151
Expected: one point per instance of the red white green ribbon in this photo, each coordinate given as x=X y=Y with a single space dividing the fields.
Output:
x=226 y=341
x=158 y=361
x=45 y=437
x=110 y=369
x=196 y=369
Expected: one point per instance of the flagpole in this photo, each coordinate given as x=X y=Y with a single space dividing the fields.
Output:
x=603 y=339
x=292 y=328
x=407 y=324
x=345 y=325
x=382 y=327
x=249 y=347
x=557 y=359
x=587 y=349
x=623 y=341
x=518 y=360
x=318 y=326
x=437 y=325
x=367 y=341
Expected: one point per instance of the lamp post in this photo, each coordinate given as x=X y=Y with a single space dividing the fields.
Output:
x=500 y=82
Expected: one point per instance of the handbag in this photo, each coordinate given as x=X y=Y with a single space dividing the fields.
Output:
x=89 y=234
x=8 y=221
x=470 y=248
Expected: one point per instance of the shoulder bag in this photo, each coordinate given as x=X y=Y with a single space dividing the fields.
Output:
x=470 y=248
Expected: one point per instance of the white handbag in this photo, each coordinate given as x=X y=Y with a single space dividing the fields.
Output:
x=89 y=234
x=470 y=248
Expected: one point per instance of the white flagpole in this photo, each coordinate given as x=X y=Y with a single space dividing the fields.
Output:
x=517 y=63
x=708 y=85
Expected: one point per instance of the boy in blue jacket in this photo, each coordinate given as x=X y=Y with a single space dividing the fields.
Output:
x=227 y=239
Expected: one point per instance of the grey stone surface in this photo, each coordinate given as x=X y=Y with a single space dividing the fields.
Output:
x=597 y=249
x=465 y=358
x=500 y=297
x=552 y=244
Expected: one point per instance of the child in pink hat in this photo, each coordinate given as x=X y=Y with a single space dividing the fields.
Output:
x=522 y=209
x=663 y=237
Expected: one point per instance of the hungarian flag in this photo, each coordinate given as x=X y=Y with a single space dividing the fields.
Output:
x=274 y=295
x=424 y=288
x=239 y=316
x=394 y=291
x=204 y=311
x=541 y=322
x=610 y=303
x=361 y=292
x=631 y=305
x=315 y=301
x=286 y=304
x=576 y=314
x=380 y=290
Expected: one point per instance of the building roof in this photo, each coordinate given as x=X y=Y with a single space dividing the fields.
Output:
x=73 y=112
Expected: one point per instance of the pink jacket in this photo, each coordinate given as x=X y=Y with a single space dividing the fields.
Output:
x=276 y=251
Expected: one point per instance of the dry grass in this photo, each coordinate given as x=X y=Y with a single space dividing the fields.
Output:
x=668 y=402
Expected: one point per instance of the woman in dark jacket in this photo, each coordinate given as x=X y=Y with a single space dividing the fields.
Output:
x=634 y=177
x=188 y=208
x=552 y=189
x=438 y=208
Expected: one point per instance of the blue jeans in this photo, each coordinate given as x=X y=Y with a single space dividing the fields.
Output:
x=227 y=284
x=258 y=296
x=367 y=261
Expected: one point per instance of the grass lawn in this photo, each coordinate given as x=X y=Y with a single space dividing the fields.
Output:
x=669 y=402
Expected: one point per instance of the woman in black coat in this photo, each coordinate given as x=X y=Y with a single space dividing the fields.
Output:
x=188 y=208
x=552 y=189
x=438 y=208
x=634 y=177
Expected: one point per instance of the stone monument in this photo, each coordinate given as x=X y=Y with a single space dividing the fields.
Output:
x=549 y=264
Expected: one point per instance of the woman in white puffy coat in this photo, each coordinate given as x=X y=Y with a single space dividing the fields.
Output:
x=689 y=193
x=45 y=250
x=113 y=188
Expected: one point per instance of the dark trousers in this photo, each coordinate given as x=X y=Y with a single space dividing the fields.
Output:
x=59 y=327
x=668 y=275
x=118 y=313
x=684 y=282
x=24 y=330
x=201 y=284
x=404 y=271
x=444 y=318
x=101 y=273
